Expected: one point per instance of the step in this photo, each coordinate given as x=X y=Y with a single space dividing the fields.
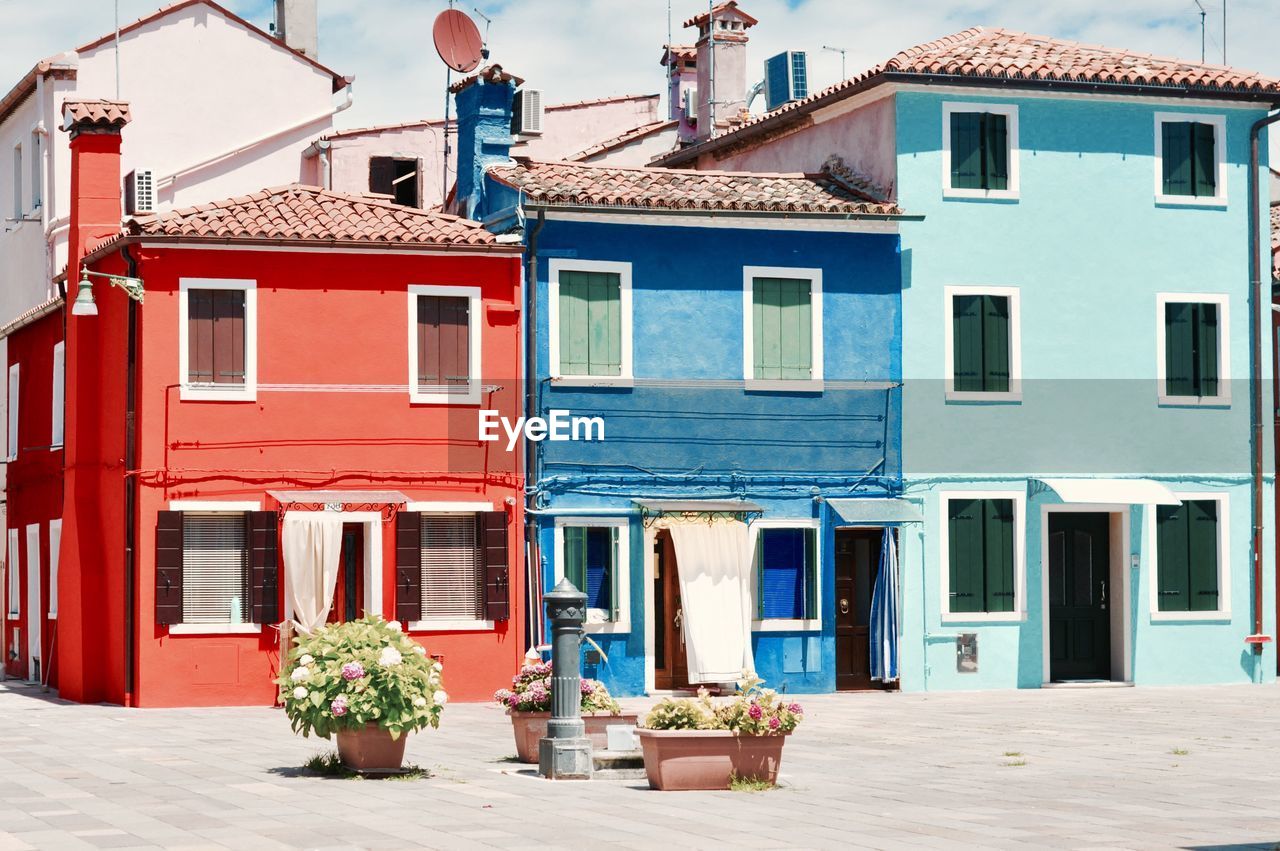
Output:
x=617 y=760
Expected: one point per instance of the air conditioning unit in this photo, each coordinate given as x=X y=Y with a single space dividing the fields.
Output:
x=689 y=103
x=526 y=113
x=139 y=192
x=786 y=78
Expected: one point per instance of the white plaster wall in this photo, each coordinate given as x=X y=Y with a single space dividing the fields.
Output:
x=638 y=153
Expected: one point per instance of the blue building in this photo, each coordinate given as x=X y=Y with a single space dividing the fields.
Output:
x=1076 y=354
x=738 y=338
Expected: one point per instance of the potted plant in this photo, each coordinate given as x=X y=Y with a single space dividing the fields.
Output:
x=367 y=682
x=528 y=703
x=697 y=743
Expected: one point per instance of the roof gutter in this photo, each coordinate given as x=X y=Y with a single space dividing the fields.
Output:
x=732 y=214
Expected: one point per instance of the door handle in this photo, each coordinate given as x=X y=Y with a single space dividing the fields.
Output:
x=678 y=619
x=1103 y=584
x=844 y=606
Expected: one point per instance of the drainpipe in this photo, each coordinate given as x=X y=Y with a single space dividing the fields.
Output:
x=130 y=491
x=533 y=560
x=320 y=148
x=1258 y=639
x=46 y=187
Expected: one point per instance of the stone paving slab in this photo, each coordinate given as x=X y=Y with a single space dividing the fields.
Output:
x=1104 y=768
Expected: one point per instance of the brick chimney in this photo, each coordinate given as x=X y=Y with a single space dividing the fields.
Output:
x=94 y=127
x=484 y=104
x=722 y=65
x=297 y=25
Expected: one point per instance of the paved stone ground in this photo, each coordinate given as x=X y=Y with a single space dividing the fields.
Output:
x=1118 y=768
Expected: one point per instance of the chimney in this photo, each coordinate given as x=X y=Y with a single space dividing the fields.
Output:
x=484 y=103
x=722 y=65
x=94 y=127
x=298 y=27
x=682 y=79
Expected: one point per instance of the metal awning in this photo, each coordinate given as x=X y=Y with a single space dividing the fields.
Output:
x=1112 y=491
x=687 y=506
x=876 y=510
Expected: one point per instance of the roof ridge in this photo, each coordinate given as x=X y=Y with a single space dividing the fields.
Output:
x=924 y=47
x=528 y=163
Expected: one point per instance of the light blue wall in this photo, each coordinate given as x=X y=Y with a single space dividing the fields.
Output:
x=1089 y=249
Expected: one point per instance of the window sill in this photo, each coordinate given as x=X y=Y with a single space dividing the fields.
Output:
x=53 y=616
x=12 y=616
x=592 y=381
x=55 y=447
x=215 y=629
x=787 y=625
x=1009 y=397
x=1215 y=202
x=1194 y=401
x=459 y=625
x=950 y=192
x=1191 y=617
x=194 y=393
x=470 y=397
x=980 y=618
x=784 y=385
x=609 y=628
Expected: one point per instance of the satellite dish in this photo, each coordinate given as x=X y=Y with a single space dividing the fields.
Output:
x=457 y=40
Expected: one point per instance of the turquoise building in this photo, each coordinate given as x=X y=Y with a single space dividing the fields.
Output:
x=1076 y=354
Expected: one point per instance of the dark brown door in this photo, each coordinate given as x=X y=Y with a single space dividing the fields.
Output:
x=1079 y=573
x=348 y=592
x=857 y=566
x=670 y=665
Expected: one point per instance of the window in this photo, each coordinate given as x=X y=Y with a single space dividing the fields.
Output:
x=444 y=344
x=782 y=328
x=14 y=577
x=59 y=394
x=55 y=556
x=1189 y=558
x=396 y=177
x=1190 y=168
x=594 y=554
x=982 y=551
x=33 y=583
x=18 y=208
x=980 y=150
x=217 y=345
x=37 y=175
x=982 y=344
x=590 y=320
x=217 y=568
x=1193 y=365
x=787 y=574
x=452 y=568
x=13 y=411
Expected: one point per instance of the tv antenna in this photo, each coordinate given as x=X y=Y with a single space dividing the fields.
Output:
x=1202 y=14
x=484 y=49
x=458 y=42
x=842 y=51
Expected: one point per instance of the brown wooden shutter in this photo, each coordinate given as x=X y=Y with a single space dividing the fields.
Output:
x=264 y=567
x=228 y=336
x=491 y=537
x=455 y=358
x=428 y=340
x=169 y=567
x=200 y=336
x=382 y=172
x=408 y=567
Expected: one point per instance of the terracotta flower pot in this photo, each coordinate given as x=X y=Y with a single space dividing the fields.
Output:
x=679 y=760
x=529 y=727
x=371 y=749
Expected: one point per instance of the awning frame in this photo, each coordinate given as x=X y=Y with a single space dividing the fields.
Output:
x=706 y=510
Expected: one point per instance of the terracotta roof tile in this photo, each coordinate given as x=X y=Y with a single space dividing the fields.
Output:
x=577 y=184
x=678 y=52
x=623 y=139
x=305 y=214
x=490 y=73
x=697 y=20
x=95 y=113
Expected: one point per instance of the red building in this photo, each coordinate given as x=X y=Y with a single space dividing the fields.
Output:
x=279 y=428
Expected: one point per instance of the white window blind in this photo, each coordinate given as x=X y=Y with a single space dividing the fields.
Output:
x=11 y=570
x=215 y=574
x=13 y=412
x=55 y=543
x=452 y=573
x=59 y=387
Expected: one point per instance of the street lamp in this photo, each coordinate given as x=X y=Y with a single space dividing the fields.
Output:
x=85 y=305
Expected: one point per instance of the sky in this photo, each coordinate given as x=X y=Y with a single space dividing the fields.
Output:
x=581 y=49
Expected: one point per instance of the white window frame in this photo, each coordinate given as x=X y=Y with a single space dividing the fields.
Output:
x=1219 y=123
x=1223 y=301
x=14 y=398
x=13 y=581
x=815 y=381
x=192 y=392
x=1223 y=612
x=55 y=545
x=1010 y=112
x=622 y=580
x=759 y=624
x=57 y=426
x=1014 y=393
x=451 y=509
x=218 y=507
x=19 y=207
x=625 y=377
x=37 y=170
x=443 y=396
x=1019 y=613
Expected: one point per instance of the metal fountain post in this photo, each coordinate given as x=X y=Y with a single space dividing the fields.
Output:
x=565 y=752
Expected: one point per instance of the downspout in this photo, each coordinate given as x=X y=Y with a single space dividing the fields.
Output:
x=1258 y=639
x=533 y=560
x=46 y=183
x=130 y=491
x=320 y=148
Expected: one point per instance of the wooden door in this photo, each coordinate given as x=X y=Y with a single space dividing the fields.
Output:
x=1079 y=576
x=857 y=566
x=348 y=592
x=670 y=663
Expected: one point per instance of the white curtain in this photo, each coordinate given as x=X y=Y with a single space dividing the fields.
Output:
x=312 y=547
x=714 y=560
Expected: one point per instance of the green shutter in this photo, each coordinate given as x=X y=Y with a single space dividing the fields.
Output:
x=966 y=150
x=574 y=297
x=965 y=521
x=590 y=323
x=1202 y=555
x=811 y=573
x=782 y=328
x=575 y=556
x=1179 y=349
x=1171 y=555
x=1176 y=157
x=1206 y=337
x=1203 y=160
x=998 y=554
x=995 y=155
x=995 y=343
x=967 y=342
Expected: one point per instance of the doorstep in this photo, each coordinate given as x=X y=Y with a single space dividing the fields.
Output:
x=1088 y=684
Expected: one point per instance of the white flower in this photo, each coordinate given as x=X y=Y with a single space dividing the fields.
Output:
x=394 y=625
x=437 y=665
x=419 y=649
x=300 y=693
x=299 y=674
x=390 y=657
x=419 y=701
x=433 y=678
x=442 y=697
x=306 y=660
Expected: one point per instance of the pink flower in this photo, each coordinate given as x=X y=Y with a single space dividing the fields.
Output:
x=513 y=700
x=755 y=712
x=796 y=709
x=586 y=686
x=352 y=671
x=339 y=706
x=774 y=723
